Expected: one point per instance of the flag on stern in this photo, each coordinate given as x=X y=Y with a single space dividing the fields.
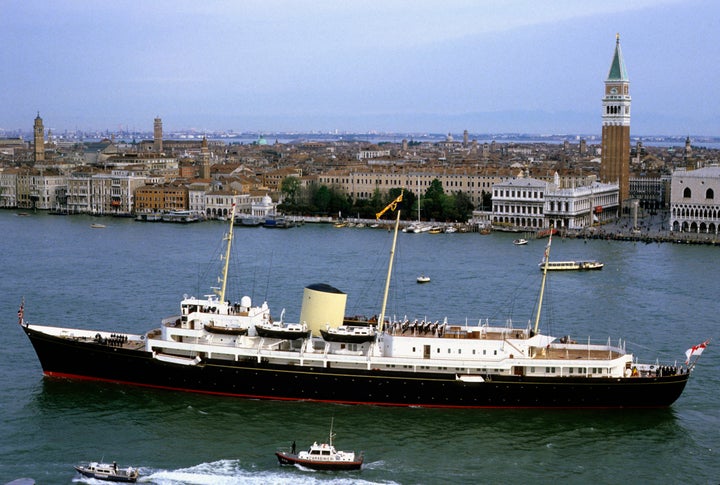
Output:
x=695 y=350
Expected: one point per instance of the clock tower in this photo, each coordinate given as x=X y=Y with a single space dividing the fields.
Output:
x=615 y=157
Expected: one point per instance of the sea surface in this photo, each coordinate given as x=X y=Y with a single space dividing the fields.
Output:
x=660 y=299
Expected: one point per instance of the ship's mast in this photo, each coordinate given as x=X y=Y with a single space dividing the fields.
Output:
x=331 y=430
x=546 y=261
x=391 y=206
x=227 y=254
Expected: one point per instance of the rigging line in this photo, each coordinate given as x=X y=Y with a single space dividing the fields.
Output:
x=267 y=285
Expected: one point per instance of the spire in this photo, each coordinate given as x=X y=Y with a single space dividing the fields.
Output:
x=617 y=68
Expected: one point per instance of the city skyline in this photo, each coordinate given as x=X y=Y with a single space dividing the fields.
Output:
x=273 y=66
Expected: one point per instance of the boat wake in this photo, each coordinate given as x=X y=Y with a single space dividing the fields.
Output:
x=231 y=472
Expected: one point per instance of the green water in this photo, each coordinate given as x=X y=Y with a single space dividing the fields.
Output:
x=660 y=298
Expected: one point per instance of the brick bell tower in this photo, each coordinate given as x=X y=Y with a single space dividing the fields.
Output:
x=39 y=139
x=615 y=157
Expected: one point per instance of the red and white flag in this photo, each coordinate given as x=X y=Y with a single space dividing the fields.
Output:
x=695 y=350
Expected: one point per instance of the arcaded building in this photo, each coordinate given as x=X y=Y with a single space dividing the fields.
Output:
x=694 y=204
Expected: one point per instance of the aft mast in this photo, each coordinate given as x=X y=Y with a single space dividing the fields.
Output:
x=229 y=239
x=391 y=206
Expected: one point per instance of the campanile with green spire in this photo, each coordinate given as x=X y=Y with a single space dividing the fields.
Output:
x=615 y=157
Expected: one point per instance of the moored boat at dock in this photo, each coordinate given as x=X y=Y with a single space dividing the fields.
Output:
x=180 y=216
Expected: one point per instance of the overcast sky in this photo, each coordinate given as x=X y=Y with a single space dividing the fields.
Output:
x=488 y=66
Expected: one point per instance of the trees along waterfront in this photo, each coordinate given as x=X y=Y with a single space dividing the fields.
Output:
x=320 y=199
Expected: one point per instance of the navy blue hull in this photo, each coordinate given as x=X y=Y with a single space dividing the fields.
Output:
x=62 y=357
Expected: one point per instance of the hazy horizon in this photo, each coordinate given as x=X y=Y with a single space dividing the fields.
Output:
x=301 y=66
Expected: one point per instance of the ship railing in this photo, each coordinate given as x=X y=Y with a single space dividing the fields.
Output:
x=574 y=345
x=171 y=321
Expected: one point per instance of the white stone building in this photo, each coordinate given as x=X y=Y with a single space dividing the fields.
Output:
x=694 y=206
x=526 y=203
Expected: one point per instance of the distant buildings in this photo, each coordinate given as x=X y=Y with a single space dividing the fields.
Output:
x=532 y=185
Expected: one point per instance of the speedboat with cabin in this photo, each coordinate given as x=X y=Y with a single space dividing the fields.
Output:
x=322 y=456
x=108 y=471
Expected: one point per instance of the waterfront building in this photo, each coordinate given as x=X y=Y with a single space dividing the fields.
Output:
x=519 y=203
x=218 y=204
x=526 y=203
x=196 y=195
x=615 y=145
x=79 y=191
x=113 y=193
x=695 y=200
x=163 y=197
x=35 y=189
x=39 y=139
x=580 y=207
x=261 y=206
x=362 y=184
x=8 y=187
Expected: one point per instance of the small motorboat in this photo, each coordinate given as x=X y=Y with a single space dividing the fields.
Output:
x=423 y=279
x=520 y=242
x=322 y=456
x=108 y=471
x=97 y=226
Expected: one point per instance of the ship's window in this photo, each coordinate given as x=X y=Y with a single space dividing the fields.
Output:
x=571 y=370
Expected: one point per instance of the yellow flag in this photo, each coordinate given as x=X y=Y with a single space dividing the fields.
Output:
x=391 y=206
